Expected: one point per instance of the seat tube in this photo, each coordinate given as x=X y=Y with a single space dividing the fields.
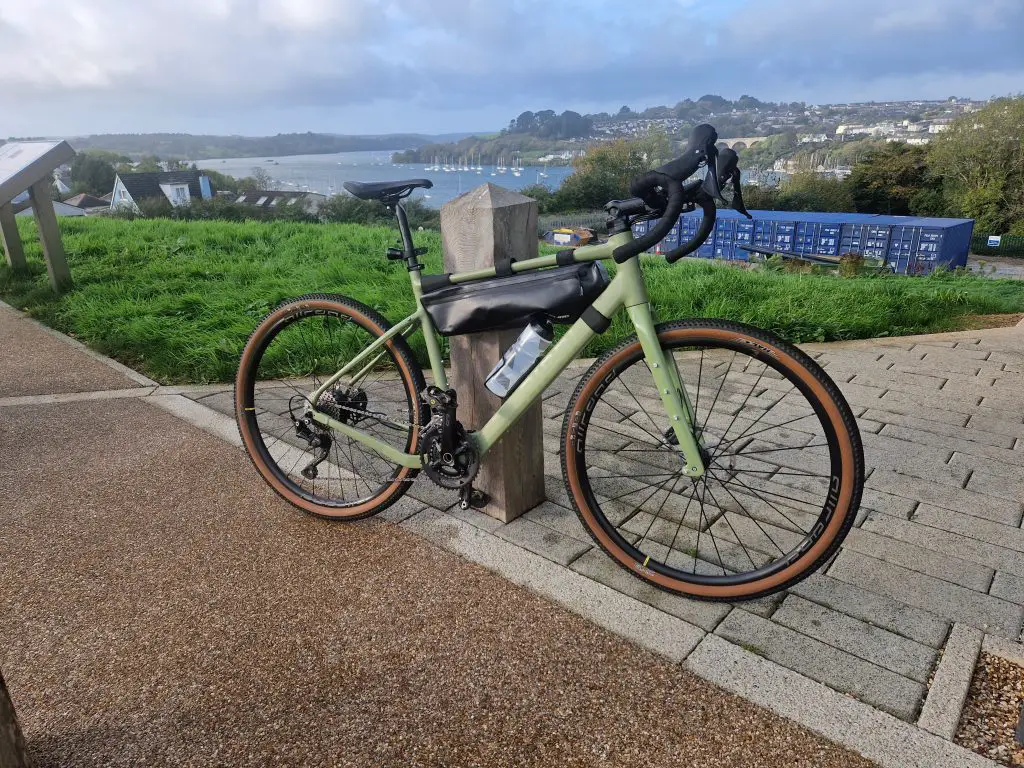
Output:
x=429 y=333
x=673 y=397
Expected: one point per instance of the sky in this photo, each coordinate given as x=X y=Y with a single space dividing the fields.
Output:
x=260 y=67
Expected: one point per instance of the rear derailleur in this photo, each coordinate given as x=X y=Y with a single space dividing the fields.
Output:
x=319 y=442
x=448 y=456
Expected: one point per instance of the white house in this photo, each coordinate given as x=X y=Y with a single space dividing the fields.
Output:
x=178 y=187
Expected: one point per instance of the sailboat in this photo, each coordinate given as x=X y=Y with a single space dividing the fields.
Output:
x=517 y=167
x=501 y=164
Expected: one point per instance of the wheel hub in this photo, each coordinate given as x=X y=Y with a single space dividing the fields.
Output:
x=343 y=404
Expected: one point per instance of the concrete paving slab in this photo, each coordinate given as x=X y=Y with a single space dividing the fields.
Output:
x=941 y=541
x=940 y=565
x=544 y=541
x=837 y=669
x=883 y=738
x=941 y=711
x=877 y=610
x=982 y=506
x=596 y=565
x=1008 y=586
x=874 y=644
x=939 y=597
x=1007 y=536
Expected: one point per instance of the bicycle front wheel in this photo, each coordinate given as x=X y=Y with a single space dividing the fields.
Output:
x=785 y=467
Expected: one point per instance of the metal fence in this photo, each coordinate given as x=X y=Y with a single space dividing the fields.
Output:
x=1009 y=245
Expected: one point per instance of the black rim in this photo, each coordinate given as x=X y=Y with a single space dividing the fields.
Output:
x=768 y=493
x=354 y=473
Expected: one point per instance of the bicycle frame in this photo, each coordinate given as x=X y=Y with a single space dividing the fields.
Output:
x=626 y=290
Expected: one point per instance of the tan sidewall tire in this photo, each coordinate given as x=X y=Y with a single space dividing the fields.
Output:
x=412 y=378
x=839 y=415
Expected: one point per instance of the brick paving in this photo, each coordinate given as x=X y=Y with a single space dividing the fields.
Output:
x=938 y=539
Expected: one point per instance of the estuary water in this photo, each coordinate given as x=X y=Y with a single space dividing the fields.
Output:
x=326 y=173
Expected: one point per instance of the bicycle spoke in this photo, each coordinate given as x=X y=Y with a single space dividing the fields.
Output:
x=744 y=403
x=766 y=501
x=304 y=350
x=750 y=512
x=711 y=410
x=772 y=450
x=739 y=541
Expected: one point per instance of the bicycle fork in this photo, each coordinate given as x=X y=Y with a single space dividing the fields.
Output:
x=671 y=390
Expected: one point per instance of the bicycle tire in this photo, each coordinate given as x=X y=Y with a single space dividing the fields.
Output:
x=838 y=426
x=247 y=418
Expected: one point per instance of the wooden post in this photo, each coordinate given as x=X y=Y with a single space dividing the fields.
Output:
x=477 y=229
x=12 y=743
x=12 y=240
x=49 y=234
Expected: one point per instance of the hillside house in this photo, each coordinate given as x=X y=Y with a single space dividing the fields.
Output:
x=276 y=199
x=177 y=187
x=87 y=202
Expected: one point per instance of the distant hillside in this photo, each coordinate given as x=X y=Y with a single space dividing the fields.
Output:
x=185 y=146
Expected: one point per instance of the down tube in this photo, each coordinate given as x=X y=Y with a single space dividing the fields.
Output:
x=539 y=379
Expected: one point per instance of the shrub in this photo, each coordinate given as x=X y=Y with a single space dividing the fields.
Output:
x=346 y=209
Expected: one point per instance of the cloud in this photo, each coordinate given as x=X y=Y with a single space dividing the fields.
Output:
x=390 y=65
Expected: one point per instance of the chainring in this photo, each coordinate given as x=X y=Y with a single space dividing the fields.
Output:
x=455 y=470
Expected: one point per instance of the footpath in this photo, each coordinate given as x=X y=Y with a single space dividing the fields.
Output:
x=161 y=606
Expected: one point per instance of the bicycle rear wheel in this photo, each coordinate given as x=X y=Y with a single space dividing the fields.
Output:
x=321 y=471
x=785 y=467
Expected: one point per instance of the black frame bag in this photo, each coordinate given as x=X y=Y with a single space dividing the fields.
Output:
x=556 y=295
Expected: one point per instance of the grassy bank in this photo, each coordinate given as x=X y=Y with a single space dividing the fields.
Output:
x=177 y=300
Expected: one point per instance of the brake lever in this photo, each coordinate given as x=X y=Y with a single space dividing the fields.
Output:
x=711 y=183
x=737 y=195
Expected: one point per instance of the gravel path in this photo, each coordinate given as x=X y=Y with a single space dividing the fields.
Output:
x=990 y=717
x=161 y=607
x=32 y=362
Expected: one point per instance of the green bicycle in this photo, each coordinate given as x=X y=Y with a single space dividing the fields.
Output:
x=708 y=458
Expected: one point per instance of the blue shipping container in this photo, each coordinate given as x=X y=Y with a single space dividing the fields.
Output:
x=910 y=245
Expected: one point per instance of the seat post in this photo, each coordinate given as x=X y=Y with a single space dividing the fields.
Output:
x=409 y=251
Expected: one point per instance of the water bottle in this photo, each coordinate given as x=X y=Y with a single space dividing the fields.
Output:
x=520 y=358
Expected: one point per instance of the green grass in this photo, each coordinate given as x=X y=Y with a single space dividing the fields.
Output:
x=177 y=300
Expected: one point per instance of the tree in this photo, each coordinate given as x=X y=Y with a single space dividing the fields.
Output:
x=149 y=164
x=605 y=172
x=980 y=159
x=888 y=178
x=525 y=123
x=713 y=103
x=91 y=174
x=625 y=111
x=810 y=191
x=261 y=180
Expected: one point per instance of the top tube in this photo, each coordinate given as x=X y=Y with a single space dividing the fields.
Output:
x=581 y=255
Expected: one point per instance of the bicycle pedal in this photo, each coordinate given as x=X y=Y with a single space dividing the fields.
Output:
x=471 y=497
